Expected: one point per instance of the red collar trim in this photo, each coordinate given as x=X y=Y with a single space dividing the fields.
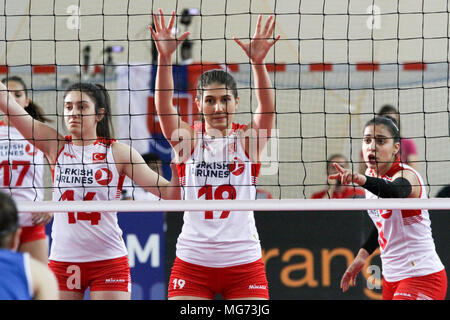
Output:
x=200 y=127
x=394 y=168
x=100 y=140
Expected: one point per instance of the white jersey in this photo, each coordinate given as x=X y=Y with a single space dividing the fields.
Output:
x=131 y=190
x=86 y=173
x=22 y=169
x=406 y=243
x=219 y=169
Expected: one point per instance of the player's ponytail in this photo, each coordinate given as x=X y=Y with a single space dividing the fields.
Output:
x=101 y=98
x=104 y=127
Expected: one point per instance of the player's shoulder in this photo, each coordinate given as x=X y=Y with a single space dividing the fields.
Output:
x=120 y=149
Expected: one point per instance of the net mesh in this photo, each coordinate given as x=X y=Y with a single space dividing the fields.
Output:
x=336 y=64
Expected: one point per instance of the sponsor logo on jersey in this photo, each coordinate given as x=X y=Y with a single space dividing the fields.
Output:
x=12 y=149
x=98 y=157
x=75 y=176
x=237 y=167
x=30 y=150
x=219 y=169
x=103 y=176
x=212 y=169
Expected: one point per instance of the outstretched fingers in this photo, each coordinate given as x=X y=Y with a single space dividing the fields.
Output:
x=156 y=23
x=162 y=19
x=335 y=176
x=240 y=43
x=160 y=23
x=183 y=36
x=268 y=26
x=275 y=40
x=171 y=21
x=338 y=167
x=258 y=25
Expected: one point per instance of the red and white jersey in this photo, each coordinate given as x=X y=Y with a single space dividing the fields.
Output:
x=218 y=169
x=22 y=169
x=86 y=173
x=406 y=243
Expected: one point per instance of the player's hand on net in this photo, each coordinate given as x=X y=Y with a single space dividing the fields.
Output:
x=41 y=218
x=166 y=42
x=261 y=42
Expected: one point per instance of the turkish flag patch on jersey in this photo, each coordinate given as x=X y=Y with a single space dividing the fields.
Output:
x=98 y=157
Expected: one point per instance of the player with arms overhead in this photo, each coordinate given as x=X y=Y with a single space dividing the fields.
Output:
x=217 y=251
x=87 y=248
x=411 y=267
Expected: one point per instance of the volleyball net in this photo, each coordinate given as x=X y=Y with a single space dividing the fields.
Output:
x=336 y=64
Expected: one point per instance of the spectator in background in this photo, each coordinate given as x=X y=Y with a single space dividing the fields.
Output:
x=408 y=150
x=335 y=190
x=133 y=191
x=21 y=276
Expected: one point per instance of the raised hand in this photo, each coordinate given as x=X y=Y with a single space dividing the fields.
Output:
x=261 y=42
x=347 y=176
x=166 y=43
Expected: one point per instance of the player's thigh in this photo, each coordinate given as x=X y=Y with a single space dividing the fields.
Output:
x=187 y=298
x=110 y=276
x=191 y=282
x=246 y=282
x=70 y=295
x=33 y=240
x=110 y=295
x=71 y=277
x=429 y=287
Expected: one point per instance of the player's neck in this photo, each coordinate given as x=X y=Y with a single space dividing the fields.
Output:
x=217 y=132
x=83 y=141
x=382 y=169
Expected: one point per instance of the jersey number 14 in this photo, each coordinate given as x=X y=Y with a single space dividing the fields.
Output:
x=93 y=217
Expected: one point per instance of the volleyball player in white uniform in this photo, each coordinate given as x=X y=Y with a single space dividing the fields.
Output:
x=22 y=169
x=87 y=248
x=410 y=265
x=217 y=251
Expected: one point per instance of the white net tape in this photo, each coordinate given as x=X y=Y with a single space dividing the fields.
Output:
x=235 y=205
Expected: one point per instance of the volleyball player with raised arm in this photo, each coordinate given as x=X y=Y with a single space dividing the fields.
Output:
x=411 y=267
x=87 y=248
x=217 y=251
x=22 y=169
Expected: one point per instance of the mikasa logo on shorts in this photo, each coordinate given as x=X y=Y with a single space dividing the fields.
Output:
x=111 y=280
x=253 y=286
